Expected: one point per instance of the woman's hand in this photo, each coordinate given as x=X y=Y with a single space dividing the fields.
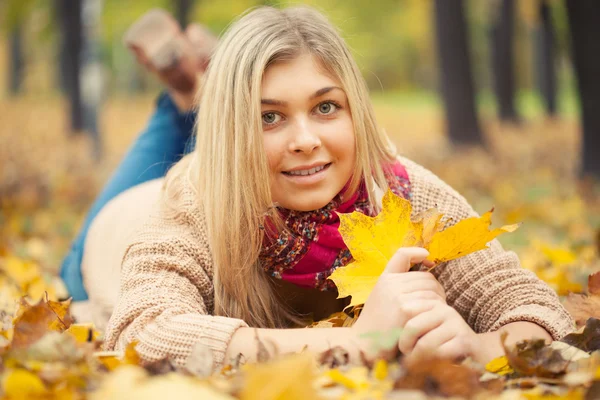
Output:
x=438 y=330
x=398 y=295
x=416 y=303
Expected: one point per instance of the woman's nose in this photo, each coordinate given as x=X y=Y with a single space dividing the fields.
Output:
x=305 y=138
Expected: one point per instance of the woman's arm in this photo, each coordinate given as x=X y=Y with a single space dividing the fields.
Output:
x=250 y=341
x=488 y=288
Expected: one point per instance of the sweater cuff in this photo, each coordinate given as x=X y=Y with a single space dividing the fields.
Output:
x=558 y=323
x=217 y=334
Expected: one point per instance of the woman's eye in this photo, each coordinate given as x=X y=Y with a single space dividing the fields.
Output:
x=327 y=108
x=270 y=118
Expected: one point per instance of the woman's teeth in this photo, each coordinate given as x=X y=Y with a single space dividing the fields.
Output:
x=307 y=171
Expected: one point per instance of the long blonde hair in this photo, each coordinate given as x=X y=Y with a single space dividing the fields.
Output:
x=229 y=169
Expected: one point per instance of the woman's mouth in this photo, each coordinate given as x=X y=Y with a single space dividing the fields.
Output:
x=305 y=172
x=307 y=175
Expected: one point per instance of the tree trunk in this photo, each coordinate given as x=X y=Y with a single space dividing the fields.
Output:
x=17 y=61
x=182 y=11
x=502 y=36
x=584 y=25
x=91 y=71
x=545 y=60
x=455 y=72
x=69 y=15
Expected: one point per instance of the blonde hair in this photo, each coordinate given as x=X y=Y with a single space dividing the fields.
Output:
x=229 y=169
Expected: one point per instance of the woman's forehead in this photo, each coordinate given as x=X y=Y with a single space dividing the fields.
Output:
x=304 y=73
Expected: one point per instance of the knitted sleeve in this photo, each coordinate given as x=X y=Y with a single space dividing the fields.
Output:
x=488 y=288
x=166 y=295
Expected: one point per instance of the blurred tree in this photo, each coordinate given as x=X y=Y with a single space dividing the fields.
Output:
x=584 y=25
x=71 y=34
x=503 y=60
x=16 y=71
x=455 y=72
x=91 y=71
x=13 y=15
x=182 y=11
x=545 y=59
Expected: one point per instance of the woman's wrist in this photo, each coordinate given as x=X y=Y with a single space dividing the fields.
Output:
x=489 y=345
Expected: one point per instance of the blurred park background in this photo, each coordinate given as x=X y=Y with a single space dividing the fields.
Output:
x=498 y=97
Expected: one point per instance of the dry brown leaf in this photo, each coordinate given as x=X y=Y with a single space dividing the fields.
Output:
x=535 y=358
x=585 y=306
x=440 y=378
x=32 y=323
x=589 y=339
x=594 y=283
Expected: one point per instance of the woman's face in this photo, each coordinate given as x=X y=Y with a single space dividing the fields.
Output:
x=308 y=134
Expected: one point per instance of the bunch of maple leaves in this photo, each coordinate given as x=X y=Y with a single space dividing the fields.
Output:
x=45 y=354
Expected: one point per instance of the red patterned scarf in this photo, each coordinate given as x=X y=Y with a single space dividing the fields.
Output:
x=312 y=248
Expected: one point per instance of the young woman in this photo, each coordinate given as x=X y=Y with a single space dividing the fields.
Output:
x=245 y=234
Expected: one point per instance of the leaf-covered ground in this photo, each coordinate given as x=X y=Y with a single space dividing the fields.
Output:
x=47 y=180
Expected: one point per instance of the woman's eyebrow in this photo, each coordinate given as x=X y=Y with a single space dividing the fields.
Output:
x=321 y=92
x=318 y=93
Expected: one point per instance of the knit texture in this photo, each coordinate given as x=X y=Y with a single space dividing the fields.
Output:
x=166 y=296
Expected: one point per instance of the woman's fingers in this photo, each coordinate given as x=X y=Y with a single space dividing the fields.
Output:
x=402 y=260
x=401 y=284
x=456 y=349
x=419 y=326
x=430 y=344
x=408 y=309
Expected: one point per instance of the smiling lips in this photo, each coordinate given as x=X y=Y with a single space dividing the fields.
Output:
x=306 y=172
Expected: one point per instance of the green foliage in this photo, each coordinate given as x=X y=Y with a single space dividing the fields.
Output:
x=14 y=12
x=393 y=41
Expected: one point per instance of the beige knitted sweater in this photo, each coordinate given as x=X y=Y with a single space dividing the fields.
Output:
x=166 y=295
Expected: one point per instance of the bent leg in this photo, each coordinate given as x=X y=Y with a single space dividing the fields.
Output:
x=165 y=140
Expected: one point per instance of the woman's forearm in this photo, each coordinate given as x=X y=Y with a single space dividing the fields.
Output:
x=490 y=345
x=246 y=341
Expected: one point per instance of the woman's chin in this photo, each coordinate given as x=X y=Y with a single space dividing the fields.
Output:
x=310 y=202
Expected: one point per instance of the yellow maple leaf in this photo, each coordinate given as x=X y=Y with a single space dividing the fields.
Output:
x=374 y=240
x=466 y=237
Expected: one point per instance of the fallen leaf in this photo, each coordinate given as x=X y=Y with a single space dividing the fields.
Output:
x=288 y=378
x=589 y=339
x=380 y=370
x=582 y=307
x=340 y=378
x=559 y=256
x=535 y=358
x=22 y=384
x=31 y=323
x=440 y=378
x=63 y=315
x=499 y=366
x=134 y=383
x=334 y=357
x=83 y=332
x=594 y=283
